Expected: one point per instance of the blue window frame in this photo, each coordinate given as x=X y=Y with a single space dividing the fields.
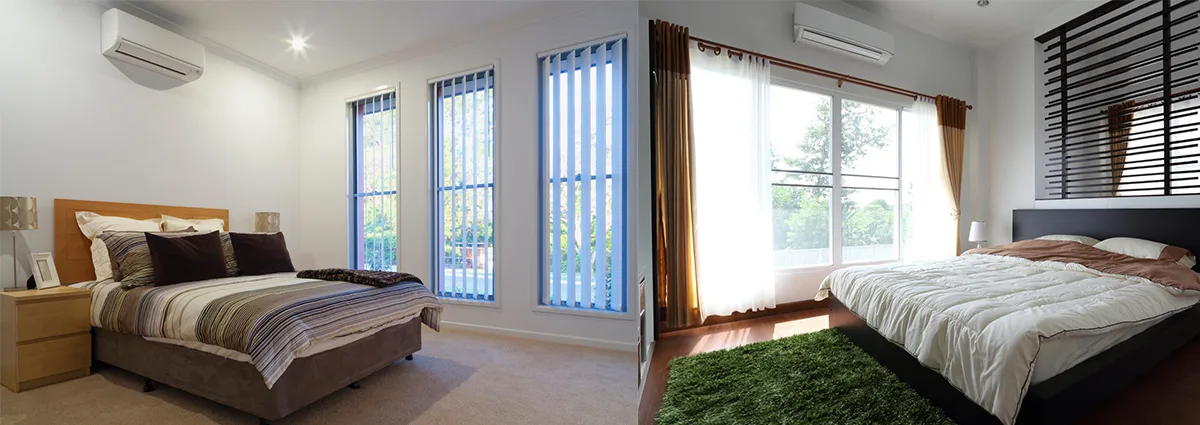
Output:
x=462 y=129
x=373 y=179
x=584 y=191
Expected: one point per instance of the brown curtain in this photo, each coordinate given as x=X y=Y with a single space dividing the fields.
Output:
x=952 y=121
x=1119 y=116
x=672 y=146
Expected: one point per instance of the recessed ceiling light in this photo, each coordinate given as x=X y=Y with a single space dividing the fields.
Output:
x=298 y=43
x=983 y=3
x=382 y=87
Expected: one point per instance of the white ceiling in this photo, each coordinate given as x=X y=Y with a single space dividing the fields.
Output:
x=339 y=33
x=963 y=22
x=342 y=33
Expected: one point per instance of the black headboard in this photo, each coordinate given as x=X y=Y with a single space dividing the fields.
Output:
x=1172 y=226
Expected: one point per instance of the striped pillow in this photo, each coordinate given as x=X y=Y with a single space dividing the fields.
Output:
x=130 y=257
x=231 y=265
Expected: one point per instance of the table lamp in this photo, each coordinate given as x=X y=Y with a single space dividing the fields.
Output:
x=266 y=222
x=17 y=213
x=978 y=233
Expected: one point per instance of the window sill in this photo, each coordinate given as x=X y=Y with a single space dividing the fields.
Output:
x=472 y=303
x=586 y=312
x=827 y=268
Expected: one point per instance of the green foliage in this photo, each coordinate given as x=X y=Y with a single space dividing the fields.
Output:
x=802 y=215
x=820 y=378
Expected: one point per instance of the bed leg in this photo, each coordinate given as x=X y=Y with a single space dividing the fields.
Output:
x=148 y=386
x=354 y=385
x=408 y=357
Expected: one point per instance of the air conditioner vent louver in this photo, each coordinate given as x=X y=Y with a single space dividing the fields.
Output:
x=131 y=40
x=149 y=57
x=821 y=28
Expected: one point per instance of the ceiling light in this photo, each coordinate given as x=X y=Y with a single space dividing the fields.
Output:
x=298 y=43
x=382 y=87
x=983 y=3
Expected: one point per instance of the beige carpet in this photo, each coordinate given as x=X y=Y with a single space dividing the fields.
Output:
x=457 y=378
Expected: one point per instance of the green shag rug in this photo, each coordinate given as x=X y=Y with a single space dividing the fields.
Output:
x=815 y=378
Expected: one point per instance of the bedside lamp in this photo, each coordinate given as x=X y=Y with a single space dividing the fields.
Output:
x=266 y=222
x=978 y=233
x=17 y=213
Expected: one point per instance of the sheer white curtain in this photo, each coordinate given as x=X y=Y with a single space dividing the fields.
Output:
x=730 y=106
x=929 y=234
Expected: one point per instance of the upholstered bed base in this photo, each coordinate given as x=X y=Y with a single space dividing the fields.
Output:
x=239 y=385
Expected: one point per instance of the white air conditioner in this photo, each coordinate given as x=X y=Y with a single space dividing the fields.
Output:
x=829 y=30
x=126 y=38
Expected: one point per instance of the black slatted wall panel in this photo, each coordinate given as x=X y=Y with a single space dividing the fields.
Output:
x=1119 y=114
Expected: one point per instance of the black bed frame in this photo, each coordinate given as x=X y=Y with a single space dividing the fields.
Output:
x=1080 y=389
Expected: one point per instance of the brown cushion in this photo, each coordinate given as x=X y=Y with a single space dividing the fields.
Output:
x=130 y=257
x=261 y=253
x=186 y=258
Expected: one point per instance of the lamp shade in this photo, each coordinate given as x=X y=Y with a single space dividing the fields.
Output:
x=978 y=231
x=266 y=222
x=18 y=213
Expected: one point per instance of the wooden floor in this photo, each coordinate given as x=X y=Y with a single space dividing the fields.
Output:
x=1166 y=396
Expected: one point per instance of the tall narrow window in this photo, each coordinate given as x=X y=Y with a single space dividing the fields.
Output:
x=583 y=196
x=373 y=182
x=461 y=131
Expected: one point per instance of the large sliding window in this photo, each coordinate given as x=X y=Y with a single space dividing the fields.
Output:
x=836 y=179
x=372 y=124
x=462 y=129
x=583 y=166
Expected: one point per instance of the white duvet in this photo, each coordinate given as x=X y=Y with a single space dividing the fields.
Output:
x=980 y=320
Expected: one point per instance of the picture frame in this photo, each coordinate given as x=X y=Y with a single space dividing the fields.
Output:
x=44 y=272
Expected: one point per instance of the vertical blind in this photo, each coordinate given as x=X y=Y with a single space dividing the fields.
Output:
x=373 y=201
x=1119 y=115
x=462 y=120
x=583 y=144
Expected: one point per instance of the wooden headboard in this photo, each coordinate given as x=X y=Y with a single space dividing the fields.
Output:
x=72 y=250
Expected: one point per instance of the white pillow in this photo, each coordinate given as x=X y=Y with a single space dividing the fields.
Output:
x=92 y=224
x=1072 y=238
x=174 y=224
x=100 y=260
x=1142 y=248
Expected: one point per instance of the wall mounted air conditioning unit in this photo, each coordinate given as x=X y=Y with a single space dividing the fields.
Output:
x=825 y=29
x=126 y=38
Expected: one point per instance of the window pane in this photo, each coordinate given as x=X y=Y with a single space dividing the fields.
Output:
x=870 y=140
x=463 y=202
x=868 y=225
x=583 y=151
x=800 y=130
x=801 y=140
x=373 y=233
x=801 y=223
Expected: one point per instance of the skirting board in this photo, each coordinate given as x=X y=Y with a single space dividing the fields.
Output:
x=540 y=336
x=645 y=370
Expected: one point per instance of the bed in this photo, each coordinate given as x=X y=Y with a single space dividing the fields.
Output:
x=1072 y=368
x=272 y=381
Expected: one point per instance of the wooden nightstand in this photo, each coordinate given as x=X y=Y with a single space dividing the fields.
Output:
x=45 y=337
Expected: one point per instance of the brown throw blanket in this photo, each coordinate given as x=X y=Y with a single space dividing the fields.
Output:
x=378 y=279
x=1162 y=272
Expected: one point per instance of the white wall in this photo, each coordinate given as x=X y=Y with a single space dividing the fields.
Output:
x=922 y=63
x=73 y=125
x=1008 y=80
x=323 y=165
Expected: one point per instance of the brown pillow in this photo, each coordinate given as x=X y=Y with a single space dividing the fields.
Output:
x=186 y=258
x=261 y=253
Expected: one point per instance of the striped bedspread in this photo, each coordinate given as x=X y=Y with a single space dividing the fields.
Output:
x=271 y=318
